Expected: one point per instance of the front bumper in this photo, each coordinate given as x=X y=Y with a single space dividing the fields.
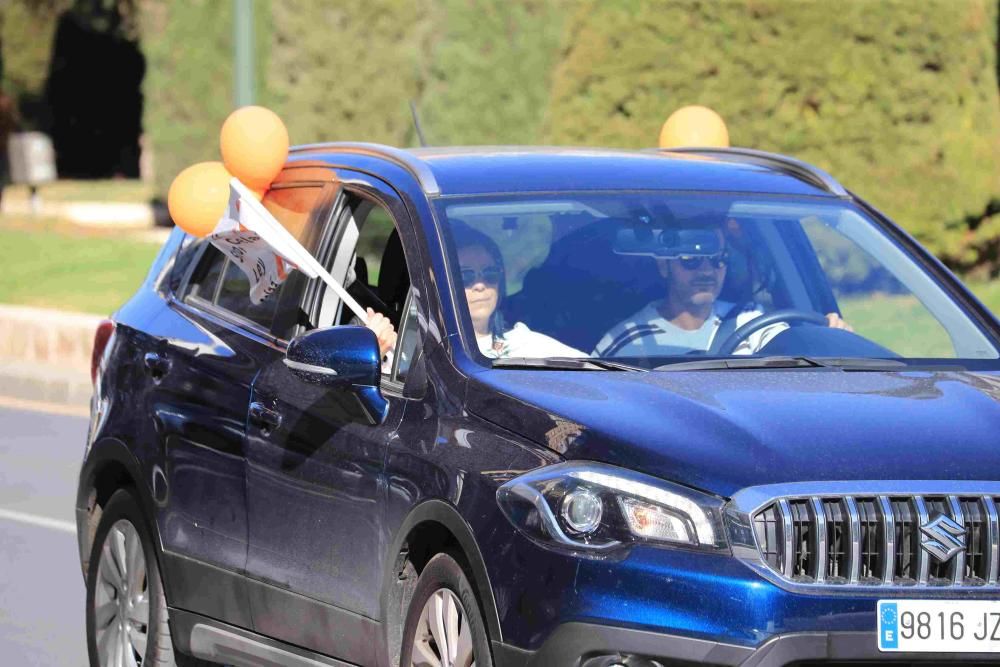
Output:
x=589 y=645
x=671 y=605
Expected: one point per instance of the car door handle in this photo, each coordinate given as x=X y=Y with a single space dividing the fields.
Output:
x=156 y=364
x=265 y=419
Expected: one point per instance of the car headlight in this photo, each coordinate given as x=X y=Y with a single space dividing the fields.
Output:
x=594 y=506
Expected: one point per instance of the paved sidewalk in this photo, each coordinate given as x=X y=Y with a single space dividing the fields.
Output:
x=45 y=354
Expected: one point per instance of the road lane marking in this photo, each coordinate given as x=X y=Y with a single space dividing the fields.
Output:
x=41 y=521
x=44 y=406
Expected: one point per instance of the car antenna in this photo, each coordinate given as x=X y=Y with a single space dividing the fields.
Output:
x=416 y=124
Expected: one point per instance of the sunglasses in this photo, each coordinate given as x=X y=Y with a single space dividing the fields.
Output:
x=490 y=275
x=718 y=261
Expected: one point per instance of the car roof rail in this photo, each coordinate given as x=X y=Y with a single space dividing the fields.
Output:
x=405 y=159
x=789 y=165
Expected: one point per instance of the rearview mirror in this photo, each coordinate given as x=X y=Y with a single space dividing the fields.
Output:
x=344 y=357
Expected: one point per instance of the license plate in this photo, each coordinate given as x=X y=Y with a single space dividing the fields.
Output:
x=939 y=626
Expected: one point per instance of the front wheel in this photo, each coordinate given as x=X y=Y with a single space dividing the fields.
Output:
x=444 y=627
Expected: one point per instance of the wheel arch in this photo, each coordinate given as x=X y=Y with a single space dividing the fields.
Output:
x=433 y=527
x=110 y=466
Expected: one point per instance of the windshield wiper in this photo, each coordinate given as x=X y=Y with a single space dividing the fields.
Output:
x=564 y=364
x=736 y=363
x=756 y=363
x=716 y=364
x=860 y=364
x=865 y=364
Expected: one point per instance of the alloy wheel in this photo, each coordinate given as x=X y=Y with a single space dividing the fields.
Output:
x=121 y=600
x=443 y=637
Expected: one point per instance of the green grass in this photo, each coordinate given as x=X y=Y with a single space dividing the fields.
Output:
x=899 y=323
x=903 y=325
x=988 y=293
x=49 y=266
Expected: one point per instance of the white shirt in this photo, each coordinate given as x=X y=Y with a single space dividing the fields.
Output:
x=520 y=341
x=648 y=334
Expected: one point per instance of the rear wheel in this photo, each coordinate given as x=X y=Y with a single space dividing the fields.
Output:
x=126 y=608
x=444 y=627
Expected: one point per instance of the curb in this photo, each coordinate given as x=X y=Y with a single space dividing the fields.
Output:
x=45 y=354
x=45 y=384
x=98 y=214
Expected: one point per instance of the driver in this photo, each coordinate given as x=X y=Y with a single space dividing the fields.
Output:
x=691 y=314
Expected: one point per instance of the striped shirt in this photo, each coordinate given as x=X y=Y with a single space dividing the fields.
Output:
x=648 y=334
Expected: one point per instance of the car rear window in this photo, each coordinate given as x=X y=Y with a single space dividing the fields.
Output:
x=229 y=294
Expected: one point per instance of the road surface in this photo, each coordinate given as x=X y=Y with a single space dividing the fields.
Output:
x=41 y=589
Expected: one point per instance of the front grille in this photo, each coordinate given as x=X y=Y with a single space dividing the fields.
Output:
x=941 y=541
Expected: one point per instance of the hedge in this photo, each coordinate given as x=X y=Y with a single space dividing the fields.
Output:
x=898 y=100
x=346 y=70
x=489 y=77
x=477 y=72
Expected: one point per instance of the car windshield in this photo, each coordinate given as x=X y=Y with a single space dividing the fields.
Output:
x=655 y=278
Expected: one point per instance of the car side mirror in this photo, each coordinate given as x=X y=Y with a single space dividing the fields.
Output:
x=342 y=357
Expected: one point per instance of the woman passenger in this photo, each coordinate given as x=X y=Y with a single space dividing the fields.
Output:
x=482 y=272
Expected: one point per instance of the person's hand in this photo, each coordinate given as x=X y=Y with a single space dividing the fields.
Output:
x=834 y=321
x=384 y=332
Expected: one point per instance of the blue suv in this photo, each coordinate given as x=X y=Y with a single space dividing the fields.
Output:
x=699 y=406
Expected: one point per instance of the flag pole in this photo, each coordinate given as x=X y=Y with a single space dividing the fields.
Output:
x=274 y=233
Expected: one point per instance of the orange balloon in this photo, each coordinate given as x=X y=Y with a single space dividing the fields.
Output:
x=254 y=145
x=694 y=126
x=198 y=197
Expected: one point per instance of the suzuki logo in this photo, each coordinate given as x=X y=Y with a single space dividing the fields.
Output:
x=942 y=538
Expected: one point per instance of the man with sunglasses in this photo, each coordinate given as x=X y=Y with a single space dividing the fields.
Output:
x=693 y=261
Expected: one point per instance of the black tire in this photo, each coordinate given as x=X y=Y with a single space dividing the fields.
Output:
x=441 y=574
x=123 y=513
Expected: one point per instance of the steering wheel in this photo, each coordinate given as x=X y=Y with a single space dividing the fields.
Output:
x=788 y=315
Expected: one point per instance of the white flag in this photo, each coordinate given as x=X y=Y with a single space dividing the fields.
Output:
x=264 y=266
x=265 y=250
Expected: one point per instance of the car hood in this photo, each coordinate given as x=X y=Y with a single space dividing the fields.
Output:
x=722 y=431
